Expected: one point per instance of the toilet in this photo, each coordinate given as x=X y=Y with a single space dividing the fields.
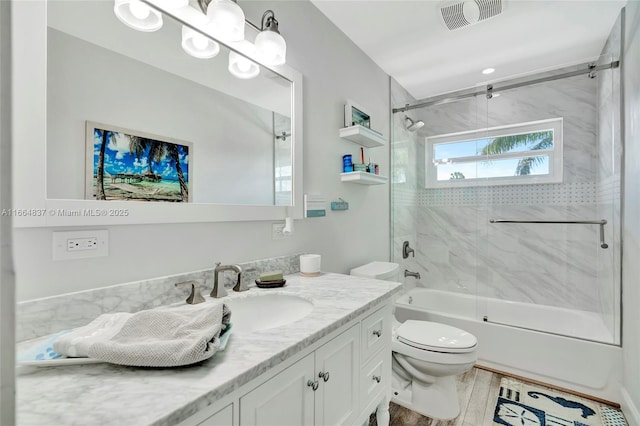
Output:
x=426 y=357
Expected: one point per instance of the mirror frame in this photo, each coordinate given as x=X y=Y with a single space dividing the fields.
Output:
x=29 y=121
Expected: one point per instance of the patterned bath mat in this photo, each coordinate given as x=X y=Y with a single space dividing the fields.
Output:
x=522 y=404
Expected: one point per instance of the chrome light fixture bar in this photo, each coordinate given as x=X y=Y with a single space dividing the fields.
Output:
x=225 y=21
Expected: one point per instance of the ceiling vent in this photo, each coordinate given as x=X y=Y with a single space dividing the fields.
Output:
x=464 y=13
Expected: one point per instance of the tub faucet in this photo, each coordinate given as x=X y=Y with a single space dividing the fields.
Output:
x=408 y=273
x=218 y=289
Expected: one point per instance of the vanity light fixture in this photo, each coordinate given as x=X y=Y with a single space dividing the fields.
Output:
x=225 y=21
x=270 y=44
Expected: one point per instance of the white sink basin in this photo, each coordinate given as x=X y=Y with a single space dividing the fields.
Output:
x=256 y=312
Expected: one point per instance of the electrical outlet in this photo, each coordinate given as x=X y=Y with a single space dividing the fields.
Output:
x=276 y=231
x=80 y=244
x=77 y=244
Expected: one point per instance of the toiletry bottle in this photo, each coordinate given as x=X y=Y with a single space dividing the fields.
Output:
x=347 y=165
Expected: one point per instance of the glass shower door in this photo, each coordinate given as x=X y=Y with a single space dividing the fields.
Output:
x=547 y=267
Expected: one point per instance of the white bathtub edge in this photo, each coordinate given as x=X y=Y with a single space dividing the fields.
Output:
x=629 y=409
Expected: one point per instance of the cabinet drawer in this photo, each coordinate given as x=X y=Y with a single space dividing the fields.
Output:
x=376 y=332
x=375 y=378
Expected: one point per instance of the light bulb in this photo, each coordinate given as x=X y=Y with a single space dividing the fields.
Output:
x=271 y=47
x=226 y=19
x=241 y=66
x=244 y=65
x=137 y=15
x=200 y=42
x=139 y=9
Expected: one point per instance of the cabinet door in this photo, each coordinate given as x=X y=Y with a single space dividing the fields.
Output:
x=337 y=370
x=284 y=400
x=223 y=417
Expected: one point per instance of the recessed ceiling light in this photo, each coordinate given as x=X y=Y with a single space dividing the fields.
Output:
x=488 y=70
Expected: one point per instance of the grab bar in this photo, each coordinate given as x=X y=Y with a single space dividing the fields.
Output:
x=601 y=222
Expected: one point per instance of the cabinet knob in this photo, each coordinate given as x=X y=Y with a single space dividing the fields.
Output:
x=313 y=384
x=324 y=375
x=377 y=333
x=377 y=378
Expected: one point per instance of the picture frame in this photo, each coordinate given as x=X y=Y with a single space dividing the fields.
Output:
x=354 y=114
x=130 y=165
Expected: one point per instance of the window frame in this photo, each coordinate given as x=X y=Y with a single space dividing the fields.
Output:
x=555 y=154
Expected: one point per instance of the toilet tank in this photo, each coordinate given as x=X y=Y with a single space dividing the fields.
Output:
x=386 y=271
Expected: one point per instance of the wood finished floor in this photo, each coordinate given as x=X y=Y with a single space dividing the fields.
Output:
x=477 y=394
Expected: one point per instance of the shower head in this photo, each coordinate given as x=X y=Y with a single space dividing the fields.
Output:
x=411 y=125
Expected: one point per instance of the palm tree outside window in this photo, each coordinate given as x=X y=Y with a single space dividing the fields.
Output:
x=523 y=153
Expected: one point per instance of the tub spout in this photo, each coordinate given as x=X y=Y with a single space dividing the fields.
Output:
x=408 y=273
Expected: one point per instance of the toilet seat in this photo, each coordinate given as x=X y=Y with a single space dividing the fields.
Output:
x=435 y=337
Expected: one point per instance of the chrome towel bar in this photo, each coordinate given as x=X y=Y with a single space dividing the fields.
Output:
x=601 y=222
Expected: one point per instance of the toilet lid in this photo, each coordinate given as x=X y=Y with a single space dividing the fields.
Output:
x=436 y=337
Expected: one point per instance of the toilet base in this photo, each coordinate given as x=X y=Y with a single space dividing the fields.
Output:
x=438 y=400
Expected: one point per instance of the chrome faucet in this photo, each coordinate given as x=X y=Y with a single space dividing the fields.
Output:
x=218 y=289
x=406 y=250
x=408 y=273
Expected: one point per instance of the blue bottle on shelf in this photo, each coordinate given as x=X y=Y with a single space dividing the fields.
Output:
x=347 y=164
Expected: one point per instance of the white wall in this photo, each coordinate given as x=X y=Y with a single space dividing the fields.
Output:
x=631 y=224
x=334 y=70
x=232 y=140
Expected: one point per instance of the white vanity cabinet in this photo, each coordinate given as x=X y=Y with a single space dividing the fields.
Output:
x=222 y=417
x=320 y=389
x=340 y=380
x=286 y=399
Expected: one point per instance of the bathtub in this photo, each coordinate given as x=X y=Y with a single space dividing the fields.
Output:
x=580 y=365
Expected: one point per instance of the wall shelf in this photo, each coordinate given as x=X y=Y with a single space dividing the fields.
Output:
x=362 y=136
x=363 y=178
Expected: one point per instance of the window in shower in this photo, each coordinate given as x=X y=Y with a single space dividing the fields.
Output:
x=506 y=155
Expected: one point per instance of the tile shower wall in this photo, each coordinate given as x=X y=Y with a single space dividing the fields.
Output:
x=456 y=247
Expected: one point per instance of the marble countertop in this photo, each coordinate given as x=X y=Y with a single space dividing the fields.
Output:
x=109 y=394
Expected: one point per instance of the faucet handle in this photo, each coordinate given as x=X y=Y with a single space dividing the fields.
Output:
x=195 y=297
x=241 y=285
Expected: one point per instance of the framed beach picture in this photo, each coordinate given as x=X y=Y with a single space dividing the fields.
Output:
x=123 y=164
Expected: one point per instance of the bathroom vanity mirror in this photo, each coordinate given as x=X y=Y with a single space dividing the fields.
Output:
x=237 y=141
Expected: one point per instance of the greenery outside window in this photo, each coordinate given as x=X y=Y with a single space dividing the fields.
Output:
x=525 y=153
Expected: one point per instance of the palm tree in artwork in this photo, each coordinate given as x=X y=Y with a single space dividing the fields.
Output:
x=139 y=145
x=174 y=155
x=105 y=135
x=156 y=152
x=534 y=141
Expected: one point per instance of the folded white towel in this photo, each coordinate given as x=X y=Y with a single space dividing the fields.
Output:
x=164 y=337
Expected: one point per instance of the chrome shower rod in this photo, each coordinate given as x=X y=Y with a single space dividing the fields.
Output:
x=491 y=88
x=601 y=222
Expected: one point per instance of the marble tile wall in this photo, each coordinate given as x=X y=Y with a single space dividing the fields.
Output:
x=456 y=247
x=40 y=317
